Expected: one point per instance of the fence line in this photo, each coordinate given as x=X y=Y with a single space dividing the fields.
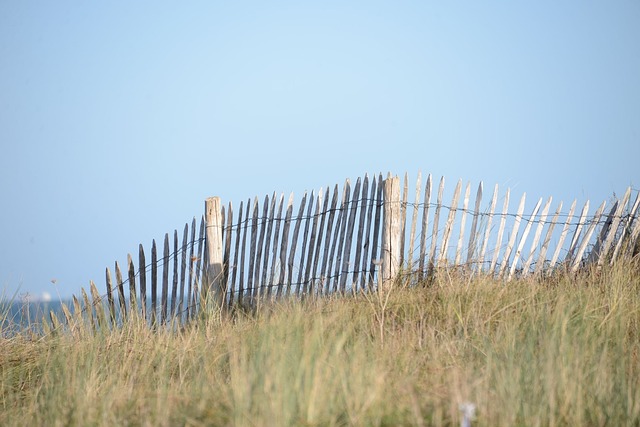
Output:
x=359 y=238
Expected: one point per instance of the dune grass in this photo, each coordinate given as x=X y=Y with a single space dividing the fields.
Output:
x=559 y=351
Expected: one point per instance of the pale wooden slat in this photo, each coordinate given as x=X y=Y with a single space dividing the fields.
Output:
x=540 y=263
x=627 y=228
x=346 y=256
x=392 y=230
x=463 y=221
x=403 y=218
x=585 y=241
x=523 y=239
x=308 y=281
x=264 y=224
x=294 y=242
x=449 y=224
x=360 y=234
x=487 y=231
x=635 y=232
x=267 y=245
x=424 y=229
x=596 y=248
x=503 y=220
x=276 y=241
x=414 y=223
x=251 y=288
x=614 y=227
x=576 y=235
x=327 y=256
x=142 y=270
x=235 y=263
x=563 y=235
x=512 y=238
x=303 y=250
x=473 y=237
x=367 y=245
x=344 y=212
x=536 y=236
x=436 y=221
x=284 y=244
x=154 y=281
x=376 y=230
x=165 y=278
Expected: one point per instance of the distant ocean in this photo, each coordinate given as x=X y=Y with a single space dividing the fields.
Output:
x=16 y=316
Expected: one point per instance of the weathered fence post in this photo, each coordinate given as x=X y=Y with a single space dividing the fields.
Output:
x=214 y=282
x=392 y=228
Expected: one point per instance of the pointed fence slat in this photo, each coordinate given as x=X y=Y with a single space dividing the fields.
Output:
x=165 y=279
x=463 y=221
x=142 y=268
x=360 y=234
x=436 y=224
x=424 y=228
x=473 y=234
x=265 y=280
x=305 y=236
x=614 y=228
x=241 y=288
x=585 y=241
x=344 y=214
x=576 y=235
x=284 y=244
x=563 y=235
x=512 y=238
x=414 y=223
x=251 y=289
x=317 y=281
x=121 y=298
x=274 y=255
x=536 y=237
x=294 y=242
x=376 y=231
x=487 y=231
x=626 y=233
x=547 y=239
x=449 y=224
x=367 y=245
x=349 y=235
x=324 y=273
x=403 y=218
x=308 y=280
x=523 y=239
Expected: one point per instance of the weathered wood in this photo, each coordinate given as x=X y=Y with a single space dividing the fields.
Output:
x=192 y=260
x=284 y=244
x=449 y=224
x=614 y=228
x=165 y=279
x=376 y=230
x=112 y=306
x=294 y=242
x=317 y=280
x=512 y=238
x=142 y=269
x=627 y=229
x=536 y=237
x=425 y=227
x=131 y=273
x=308 y=280
x=403 y=219
x=585 y=241
x=174 y=283
x=326 y=261
x=473 y=236
x=596 y=248
x=236 y=253
x=365 y=279
x=215 y=285
x=487 y=231
x=346 y=256
x=344 y=217
x=463 y=221
x=267 y=246
x=121 y=299
x=503 y=220
x=251 y=288
x=436 y=224
x=635 y=233
x=414 y=223
x=523 y=239
x=98 y=305
x=359 y=238
x=276 y=237
x=576 y=235
x=226 y=257
x=154 y=282
x=305 y=235
x=391 y=236
x=547 y=239
x=563 y=235
x=200 y=260
x=243 y=251
x=183 y=269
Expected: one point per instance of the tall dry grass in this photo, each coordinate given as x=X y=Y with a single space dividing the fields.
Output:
x=553 y=352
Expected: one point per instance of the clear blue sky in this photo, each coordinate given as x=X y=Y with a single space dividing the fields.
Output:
x=117 y=119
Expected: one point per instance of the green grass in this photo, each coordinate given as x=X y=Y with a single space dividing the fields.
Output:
x=561 y=351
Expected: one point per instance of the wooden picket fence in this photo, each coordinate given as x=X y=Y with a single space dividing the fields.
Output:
x=357 y=239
